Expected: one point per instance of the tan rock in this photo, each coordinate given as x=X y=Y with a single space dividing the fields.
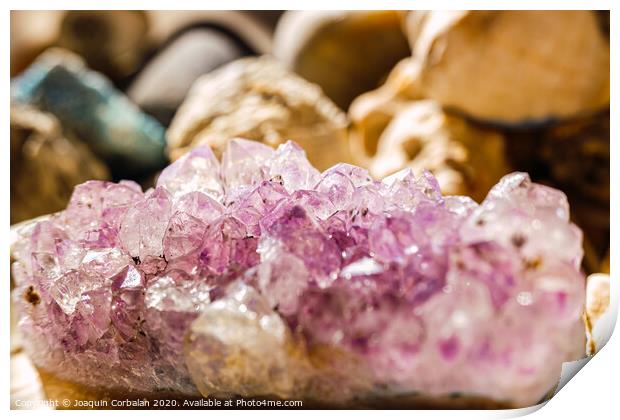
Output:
x=372 y=111
x=597 y=304
x=512 y=66
x=26 y=43
x=347 y=53
x=393 y=128
x=45 y=165
x=258 y=99
x=465 y=158
x=597 y=296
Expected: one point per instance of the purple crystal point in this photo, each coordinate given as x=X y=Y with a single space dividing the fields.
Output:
x=199 y=170
x=244 y=163
x=290 y=166
x=262 y=275
x=184 y=235
x=127 y=300
x=199 y=206
x=144 y=225
x=67 y=290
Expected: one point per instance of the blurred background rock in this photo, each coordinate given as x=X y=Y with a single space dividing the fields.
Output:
x=470 y=95
x=345 y=52
x=259 y=99
x=573 y=156
x=162 y=85
x=89 y=81
x=45 y=164
x=525 y=67
x=90 y=108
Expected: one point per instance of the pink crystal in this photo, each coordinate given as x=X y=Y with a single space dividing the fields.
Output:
x=198 y=170
x=410 y=290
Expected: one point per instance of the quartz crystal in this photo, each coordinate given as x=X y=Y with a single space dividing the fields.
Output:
x=263 y=276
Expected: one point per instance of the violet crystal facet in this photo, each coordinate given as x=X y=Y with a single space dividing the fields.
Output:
x=260 y=275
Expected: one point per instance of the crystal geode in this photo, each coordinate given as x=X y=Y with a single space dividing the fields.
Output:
x=259 y=275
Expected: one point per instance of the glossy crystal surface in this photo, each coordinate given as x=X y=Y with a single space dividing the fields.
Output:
x=263 y=275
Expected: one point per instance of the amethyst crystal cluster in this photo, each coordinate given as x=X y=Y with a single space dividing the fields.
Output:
x=259 y=275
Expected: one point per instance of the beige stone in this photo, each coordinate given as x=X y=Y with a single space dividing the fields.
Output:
x=512 y=66
x=597 y=305
x=259 y=99
x=597 y=296
x=372 y=111
x=465 y=158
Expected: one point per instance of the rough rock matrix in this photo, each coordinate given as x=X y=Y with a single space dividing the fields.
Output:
x=260 y=275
